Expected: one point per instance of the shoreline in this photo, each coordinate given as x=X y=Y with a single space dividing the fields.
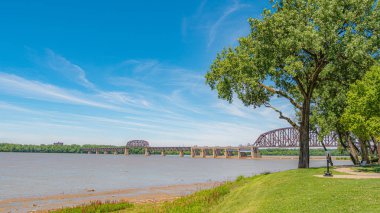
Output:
x=133 y=195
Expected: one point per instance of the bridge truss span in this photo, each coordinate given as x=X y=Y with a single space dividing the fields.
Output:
x=289 y=137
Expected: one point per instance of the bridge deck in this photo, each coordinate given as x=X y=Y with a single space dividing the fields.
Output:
x=195 y=151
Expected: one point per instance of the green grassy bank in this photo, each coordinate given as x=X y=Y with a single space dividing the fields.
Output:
x=290 y=191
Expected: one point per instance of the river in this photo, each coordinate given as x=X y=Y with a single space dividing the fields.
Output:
x=26 y=175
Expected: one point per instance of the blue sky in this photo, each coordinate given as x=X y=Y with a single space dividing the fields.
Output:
x=105 y=72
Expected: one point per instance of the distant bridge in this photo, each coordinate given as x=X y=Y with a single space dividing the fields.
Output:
x=289 y=137
x=278 y=138
x=195 y=151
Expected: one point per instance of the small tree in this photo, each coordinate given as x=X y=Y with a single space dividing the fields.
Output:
x=362 y=115
x=293 y=51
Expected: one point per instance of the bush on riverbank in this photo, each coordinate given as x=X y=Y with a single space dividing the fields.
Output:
x=95 y=207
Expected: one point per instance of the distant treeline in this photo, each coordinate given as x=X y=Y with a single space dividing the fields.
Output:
x=45 y=148
x=74 y=148
x=50 y=148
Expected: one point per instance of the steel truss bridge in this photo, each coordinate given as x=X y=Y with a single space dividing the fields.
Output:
x=289 y=137
x=278 y=138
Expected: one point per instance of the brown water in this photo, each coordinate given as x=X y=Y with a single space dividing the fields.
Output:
x=40 y=174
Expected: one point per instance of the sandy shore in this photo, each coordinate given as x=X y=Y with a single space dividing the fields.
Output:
x=135 y=195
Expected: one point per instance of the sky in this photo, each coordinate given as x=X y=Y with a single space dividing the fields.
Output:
x=106 y=72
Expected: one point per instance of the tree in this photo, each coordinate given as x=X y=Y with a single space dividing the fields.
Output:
x=330 y=102
x=362 y=115
x=295 y=50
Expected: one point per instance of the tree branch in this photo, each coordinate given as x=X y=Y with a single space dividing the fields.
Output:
x=310 y=53
x=281 y=93
x=297 y=80
x=294 y=125
x=300 y=86
x=314 y=78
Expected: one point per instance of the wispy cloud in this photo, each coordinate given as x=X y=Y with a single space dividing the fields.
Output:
x=163 y=103
x=232 y=109
x=217 y=23
x=77 y=74
x=68 y=69
x=16 y=85
x=227 y=12
x=196 y=15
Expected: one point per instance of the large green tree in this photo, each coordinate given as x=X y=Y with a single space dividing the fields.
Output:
x=293 y=51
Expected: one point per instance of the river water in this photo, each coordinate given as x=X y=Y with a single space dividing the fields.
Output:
x=41 y=174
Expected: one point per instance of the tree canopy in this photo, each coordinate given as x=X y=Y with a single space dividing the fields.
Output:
x=296 y=49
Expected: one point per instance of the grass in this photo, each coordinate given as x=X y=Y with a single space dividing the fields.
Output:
x=290 y=191
x=97 y=207
x=369 y=168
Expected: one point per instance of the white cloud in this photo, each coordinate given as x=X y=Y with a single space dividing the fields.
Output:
x=227 y=12
x=232 y=109
x=68 y=69
x=168 y=106
x=19 y=86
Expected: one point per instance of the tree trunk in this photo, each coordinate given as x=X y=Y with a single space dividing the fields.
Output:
x=372 y=152
x=364 y=150
x=304 y=136
x=377 y=147
x=353 y=151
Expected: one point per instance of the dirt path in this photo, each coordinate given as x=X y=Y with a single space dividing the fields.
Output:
x=351 y=174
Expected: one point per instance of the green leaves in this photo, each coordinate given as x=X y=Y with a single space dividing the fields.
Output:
x=298 y=49
x=362 y=115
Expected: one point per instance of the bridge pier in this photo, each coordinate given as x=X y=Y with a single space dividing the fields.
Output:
x=89 y=152
x=225 y=153
x=192 y=153
x=97 y=151
x=238 y=153
x=126 y=151
x=181 y=153
x=214 y=153
x=105 y=152
x=203 y=154
x=163 y=153
x=147 y=152
x=115 y=152
x=256 y=153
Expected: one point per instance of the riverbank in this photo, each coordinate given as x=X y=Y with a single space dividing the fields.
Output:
x=296 y=190
x=133 y=195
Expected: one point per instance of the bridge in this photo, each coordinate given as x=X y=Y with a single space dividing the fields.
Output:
x=195 y=151
x=289 y=138
x=278 y=138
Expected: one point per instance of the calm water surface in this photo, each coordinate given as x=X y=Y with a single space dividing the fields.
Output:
x=40 y=174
